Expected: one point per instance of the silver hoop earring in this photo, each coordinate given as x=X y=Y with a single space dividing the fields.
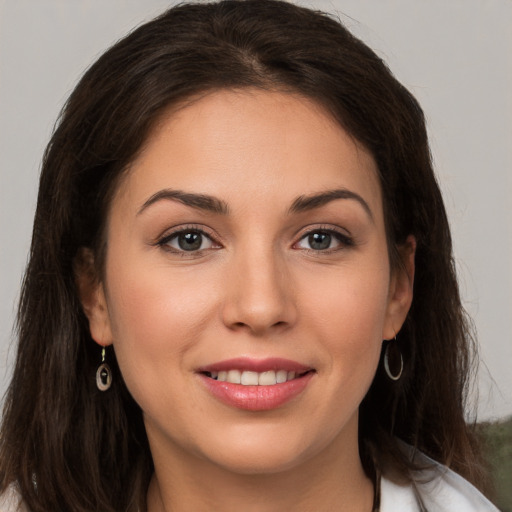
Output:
x=103 y=374
x=393 y=358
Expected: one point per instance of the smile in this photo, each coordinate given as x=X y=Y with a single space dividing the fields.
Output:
x=256 y=385
x=249 y=378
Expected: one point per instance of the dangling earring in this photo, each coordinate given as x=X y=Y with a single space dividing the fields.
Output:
x=103 y=374
x=393 y=357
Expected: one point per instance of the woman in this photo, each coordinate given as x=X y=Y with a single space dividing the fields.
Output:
x=232 y=213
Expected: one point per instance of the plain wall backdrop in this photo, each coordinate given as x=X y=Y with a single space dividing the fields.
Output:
x=454 y=55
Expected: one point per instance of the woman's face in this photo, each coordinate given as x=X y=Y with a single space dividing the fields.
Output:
x=247 y=242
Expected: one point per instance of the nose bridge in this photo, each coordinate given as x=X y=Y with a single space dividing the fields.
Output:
x=260 y=291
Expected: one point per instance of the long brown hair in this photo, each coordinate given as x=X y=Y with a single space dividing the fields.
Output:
x=70 y=447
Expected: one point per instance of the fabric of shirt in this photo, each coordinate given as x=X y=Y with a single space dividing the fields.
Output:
x=10 y=501
x=436 y=489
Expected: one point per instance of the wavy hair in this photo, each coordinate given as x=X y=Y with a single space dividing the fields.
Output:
x=70 y=447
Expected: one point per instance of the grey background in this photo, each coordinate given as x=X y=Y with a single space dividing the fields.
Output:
x=455 y=55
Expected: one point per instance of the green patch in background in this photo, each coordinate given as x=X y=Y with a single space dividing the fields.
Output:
x=497 y=444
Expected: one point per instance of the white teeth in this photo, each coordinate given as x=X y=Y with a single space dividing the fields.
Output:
x=248 y=378
x=281 y=376
x=267 y=378
x=234 y=377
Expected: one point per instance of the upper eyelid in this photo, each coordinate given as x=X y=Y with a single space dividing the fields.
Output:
x=167 y=238
x=330 y=228
x=174 y=231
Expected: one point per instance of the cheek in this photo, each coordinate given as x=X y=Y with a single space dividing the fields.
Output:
x=156 y=316
x=358 y=298
x=348 y=315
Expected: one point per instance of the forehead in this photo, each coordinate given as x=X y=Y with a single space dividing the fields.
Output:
x=250 y=145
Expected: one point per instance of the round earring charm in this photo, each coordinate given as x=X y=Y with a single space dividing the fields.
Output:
x=103 y=374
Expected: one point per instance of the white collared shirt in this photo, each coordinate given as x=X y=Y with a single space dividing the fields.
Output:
x=437 y=489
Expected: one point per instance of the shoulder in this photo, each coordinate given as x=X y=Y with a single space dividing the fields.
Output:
x=10 y=501
x=435 y=489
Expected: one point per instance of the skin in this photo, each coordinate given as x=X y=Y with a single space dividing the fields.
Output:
x=256 y=288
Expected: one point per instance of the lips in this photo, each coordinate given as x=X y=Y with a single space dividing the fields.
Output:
x=256 y=385
x=256 y=365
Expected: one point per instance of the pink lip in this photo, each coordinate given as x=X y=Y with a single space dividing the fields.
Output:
x=255 y=365
x=256 y=398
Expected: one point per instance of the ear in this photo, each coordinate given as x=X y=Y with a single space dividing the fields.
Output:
x=400 y=290
x=92 y=297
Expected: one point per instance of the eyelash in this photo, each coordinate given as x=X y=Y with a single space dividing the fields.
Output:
x=343 y=240
x=166 y=239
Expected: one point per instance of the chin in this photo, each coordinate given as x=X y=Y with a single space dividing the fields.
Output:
x=261 y=453
x=249 y=463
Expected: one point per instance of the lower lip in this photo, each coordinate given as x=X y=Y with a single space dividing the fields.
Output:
x=256 y=398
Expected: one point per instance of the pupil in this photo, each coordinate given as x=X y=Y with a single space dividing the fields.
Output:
x=190 y=241
x=319 y=241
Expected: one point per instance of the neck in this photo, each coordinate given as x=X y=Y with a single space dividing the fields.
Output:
x=332 y=480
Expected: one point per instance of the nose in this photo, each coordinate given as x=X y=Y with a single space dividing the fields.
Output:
x=259 y=294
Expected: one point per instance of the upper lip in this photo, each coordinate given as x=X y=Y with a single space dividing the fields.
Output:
x=256 y=365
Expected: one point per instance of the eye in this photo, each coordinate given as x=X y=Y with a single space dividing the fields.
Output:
x=189 y=240
x=323 y=240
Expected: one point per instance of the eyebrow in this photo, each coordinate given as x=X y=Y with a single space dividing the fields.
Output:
x=215 y=205
x=199 y=201
x=305 y=203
